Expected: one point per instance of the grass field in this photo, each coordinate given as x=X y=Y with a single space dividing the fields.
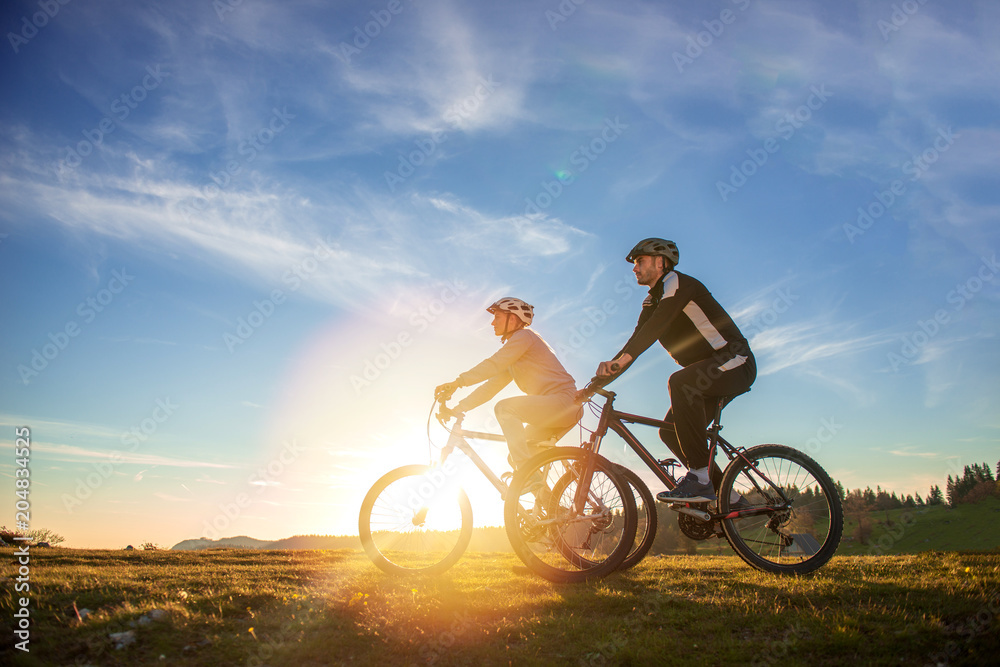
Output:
x=964 y=527
x=226 y=607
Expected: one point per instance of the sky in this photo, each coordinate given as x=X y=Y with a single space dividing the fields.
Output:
x=242 y=241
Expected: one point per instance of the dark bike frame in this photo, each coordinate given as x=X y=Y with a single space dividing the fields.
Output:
x=457 y=440
x=616 y=420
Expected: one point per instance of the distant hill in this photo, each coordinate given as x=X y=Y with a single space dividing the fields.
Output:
x=238 y=542
x=487 y=538
x=317 y=542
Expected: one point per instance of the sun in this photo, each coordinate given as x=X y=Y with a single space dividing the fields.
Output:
x=351 y=433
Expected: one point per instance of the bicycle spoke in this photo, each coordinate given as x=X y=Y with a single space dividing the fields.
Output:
x=559 y=538
x=801 y=529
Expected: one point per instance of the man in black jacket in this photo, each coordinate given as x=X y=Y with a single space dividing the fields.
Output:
x=716 y=360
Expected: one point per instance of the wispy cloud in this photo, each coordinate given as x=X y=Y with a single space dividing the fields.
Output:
x=911 y=454
x=786 y=346
x=60 y=452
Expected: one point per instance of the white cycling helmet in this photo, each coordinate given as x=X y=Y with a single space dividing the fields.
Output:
x=655 y=246
x=524 y=311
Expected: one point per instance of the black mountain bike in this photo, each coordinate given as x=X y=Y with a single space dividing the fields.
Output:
x=777 y=508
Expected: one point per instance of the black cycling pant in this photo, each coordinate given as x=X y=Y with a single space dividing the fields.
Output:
x=695 y=391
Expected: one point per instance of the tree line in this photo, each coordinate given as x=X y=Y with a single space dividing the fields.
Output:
x=976 y=483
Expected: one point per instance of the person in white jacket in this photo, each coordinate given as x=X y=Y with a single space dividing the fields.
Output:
x=549 y=406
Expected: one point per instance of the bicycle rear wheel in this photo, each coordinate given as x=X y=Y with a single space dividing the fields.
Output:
x=415 y=520
x=555 y=536
x=646 y=518
x=770 y=534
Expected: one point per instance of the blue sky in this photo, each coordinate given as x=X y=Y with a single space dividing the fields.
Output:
x=241 y=242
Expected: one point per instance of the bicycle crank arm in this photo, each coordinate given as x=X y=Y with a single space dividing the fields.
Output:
x=698 y=514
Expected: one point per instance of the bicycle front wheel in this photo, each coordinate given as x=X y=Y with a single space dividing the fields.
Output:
x=789 y=519
x=563 y=526
x=415 y=519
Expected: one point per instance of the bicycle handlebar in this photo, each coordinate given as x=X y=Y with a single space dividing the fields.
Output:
x=596 y=384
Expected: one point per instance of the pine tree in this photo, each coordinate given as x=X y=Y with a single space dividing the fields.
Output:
x=935 y=497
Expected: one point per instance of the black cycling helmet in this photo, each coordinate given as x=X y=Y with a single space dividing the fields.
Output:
x=654 y=246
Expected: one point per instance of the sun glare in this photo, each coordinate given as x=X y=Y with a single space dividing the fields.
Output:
x=352 y=433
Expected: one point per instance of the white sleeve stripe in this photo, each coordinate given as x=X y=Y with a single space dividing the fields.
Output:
x=735 y=362
x=704 y=325
x=670 y=285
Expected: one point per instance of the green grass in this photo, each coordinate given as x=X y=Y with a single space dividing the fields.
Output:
x=334 y=607
x=936 y=527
